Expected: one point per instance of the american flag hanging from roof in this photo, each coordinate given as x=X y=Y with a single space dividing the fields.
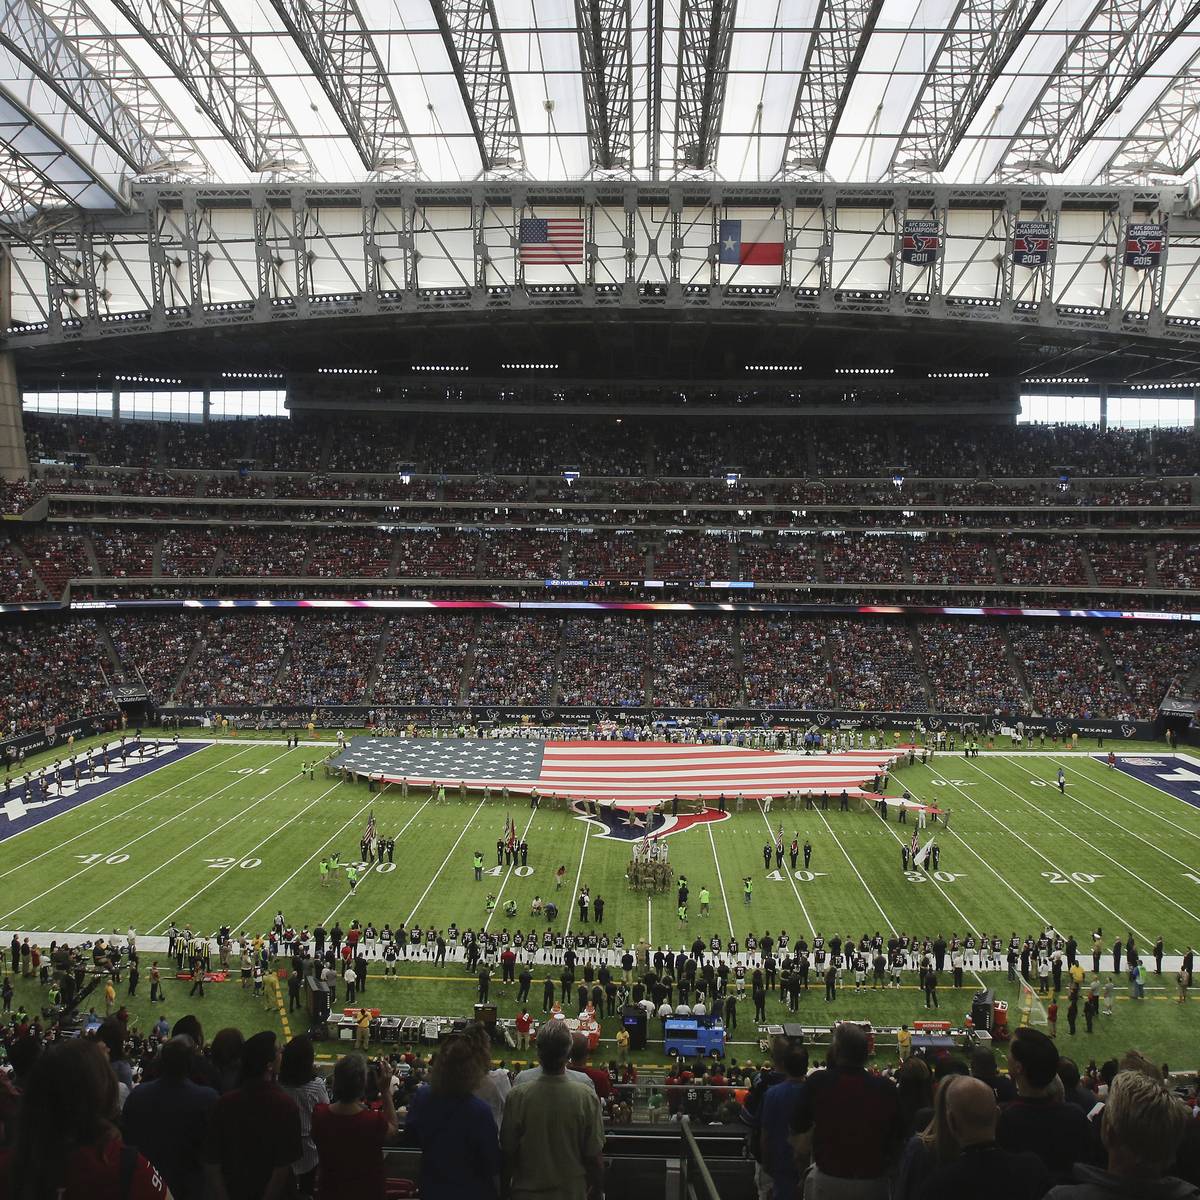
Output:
x=631 y=775
x=551 y=240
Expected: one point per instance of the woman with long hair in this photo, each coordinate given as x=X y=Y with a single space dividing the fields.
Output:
x=454 y=1128
x=932 y=1147
x=298 y=1077
x=67 y=1144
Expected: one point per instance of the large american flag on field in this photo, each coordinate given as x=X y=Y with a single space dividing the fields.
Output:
x=554 y=240
x=633 y=774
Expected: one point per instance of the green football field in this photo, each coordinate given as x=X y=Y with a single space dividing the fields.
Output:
x=233 y=833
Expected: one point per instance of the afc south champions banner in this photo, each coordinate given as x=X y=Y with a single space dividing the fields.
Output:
x=1032 y=241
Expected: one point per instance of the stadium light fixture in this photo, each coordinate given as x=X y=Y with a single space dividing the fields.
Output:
x=1060 y=379
x=145 y=379
x=865 y=371
x=347 y=370
x=543 y=366
x=959 y=375
x=1155 y=387
x=439 y=368
x=778 y=368
x=251 y=374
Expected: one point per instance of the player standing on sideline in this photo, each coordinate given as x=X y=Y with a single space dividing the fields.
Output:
x=1062 y=781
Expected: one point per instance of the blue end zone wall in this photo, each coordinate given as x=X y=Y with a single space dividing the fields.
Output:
x=18 y=812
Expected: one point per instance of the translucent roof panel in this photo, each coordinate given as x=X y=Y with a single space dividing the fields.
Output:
x=1072 y=92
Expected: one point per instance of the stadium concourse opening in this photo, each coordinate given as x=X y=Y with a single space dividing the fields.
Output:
x=599 y=598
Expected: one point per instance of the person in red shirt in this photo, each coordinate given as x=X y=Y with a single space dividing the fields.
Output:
x=349 y=1136
x=524 y=1025
x=579 y=1062
x=67 y=1144
x=254 y=1131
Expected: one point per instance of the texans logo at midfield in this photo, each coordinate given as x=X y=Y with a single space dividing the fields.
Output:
x=620 y=826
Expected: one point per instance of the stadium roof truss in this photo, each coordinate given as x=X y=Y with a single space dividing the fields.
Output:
x=194 y=257
x=101 y=95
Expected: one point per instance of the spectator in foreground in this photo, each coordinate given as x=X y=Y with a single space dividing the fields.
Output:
x=166 y=1119
x=553 y=1134
x=298 y=1078
x=350 y=1136
x=454 y=1127
x=981 y=1169
x=67 y=1145
x=775 y=1119
x=1039 y=1120
x=254 y=1133
x=929 y=1148
x=1141 y=1130
x=851 y=1121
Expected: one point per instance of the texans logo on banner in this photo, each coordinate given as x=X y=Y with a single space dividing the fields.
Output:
x=1144 y=246
x=1031 y=243
x=920 y=241
x=633 y=826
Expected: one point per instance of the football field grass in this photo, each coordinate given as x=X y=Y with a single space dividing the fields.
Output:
x=233 y=833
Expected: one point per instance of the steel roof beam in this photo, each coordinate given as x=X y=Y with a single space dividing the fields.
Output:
x=333 y=38
x=978 y=43
x=606 y=54
x=1114 y=49
x=104 y=89
x=841 y=31
x=471 y=35
x=1166 y=142
x=705 y=40
x=206 y=53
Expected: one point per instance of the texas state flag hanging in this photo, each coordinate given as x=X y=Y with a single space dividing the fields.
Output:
x=752 y=243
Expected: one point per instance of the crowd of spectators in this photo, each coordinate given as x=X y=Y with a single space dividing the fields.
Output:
x=153 y=648
x=619 y=446
x=693 y=556
x=237 y=660
x=949 y=561
x=604 y=661
x=1177 y=564
x=693 y=663
x=124 y=552
x=777 y=560
x=1119 y=562
x=968 y=668
x=1007 y=667
x=190 y=550
x=784 y=663
x=17 y=579
x=263 y=551
x=875 y=666
x=53 y=672
x=58 y=555
x=606 y=556
x=1042 y=562
x=514 y=659
x=423 y=658
x=1066 y=673
x=863 y=558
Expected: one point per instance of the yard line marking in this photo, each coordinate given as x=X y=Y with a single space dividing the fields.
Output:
x=133 y=841
x=220 y=874
x=346 y=896
x=1067 y=874
x=587 y=829
x=874 y=900
x=175 y=857
x=1096 y=849
x=449 y=855
x=791 y=879
x=1046 y=923
x=1148 y=811
x=508 y=873
x=717 y=863
x=245 y=921
x=929 y=875
x=125 y=812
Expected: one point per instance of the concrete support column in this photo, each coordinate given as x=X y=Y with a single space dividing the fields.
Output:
x=14 y=461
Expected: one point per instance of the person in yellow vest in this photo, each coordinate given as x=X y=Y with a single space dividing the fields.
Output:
x=622 y=1045
x=362 y=1032
x=904 y=1042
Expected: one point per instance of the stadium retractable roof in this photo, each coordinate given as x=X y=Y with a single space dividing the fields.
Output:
x=96 y=94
